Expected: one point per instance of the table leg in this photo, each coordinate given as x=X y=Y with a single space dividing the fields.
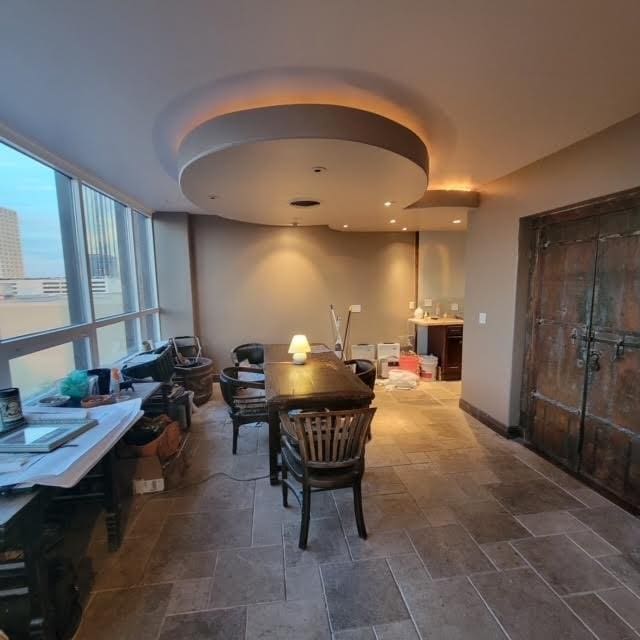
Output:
x=113 y=505
x=274 y=445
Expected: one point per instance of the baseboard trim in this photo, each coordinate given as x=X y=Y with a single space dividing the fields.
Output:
x=490 y=421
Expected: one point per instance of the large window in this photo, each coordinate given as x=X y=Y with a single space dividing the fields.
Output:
x=34 y=204
x=77 y=275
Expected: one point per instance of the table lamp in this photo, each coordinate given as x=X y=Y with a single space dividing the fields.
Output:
x=299 y=347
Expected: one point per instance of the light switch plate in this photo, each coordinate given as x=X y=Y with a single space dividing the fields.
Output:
x=412 y=305
x=355 y=308
x=428 y=302
x=454 y=306
x=482 y=318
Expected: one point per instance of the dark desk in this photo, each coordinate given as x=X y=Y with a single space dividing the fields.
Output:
x=25 y=602
x=324 y=382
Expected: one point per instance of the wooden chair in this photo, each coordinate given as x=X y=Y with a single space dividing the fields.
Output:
x=252 y=352
x=365 y=370
x=324 y=450
x=245 y=406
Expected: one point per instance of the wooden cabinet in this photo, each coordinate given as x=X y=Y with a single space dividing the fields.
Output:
x=445 y=342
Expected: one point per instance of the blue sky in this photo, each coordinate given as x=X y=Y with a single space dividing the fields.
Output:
x=29 y=188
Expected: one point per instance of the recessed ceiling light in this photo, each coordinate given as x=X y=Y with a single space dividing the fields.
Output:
x=212 y=196
x=392 y=221
x=388 y=203
x=456 y=221
x=319 y=169
x=345 y=226
x=404 y=228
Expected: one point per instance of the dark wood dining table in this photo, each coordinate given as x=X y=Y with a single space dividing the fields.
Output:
x=323 y=382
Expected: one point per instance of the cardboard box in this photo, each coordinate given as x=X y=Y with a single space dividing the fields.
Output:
x=363 y=352
x=147 y=476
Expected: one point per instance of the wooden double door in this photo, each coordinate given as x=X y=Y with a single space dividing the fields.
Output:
x=582 y=396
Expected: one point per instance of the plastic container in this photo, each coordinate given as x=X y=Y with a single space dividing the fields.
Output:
x=410 y=363
x=428 y=367
x=363 y=352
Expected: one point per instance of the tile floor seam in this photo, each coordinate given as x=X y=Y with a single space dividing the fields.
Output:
x=597 y=561
x=486 y=604
x=560 y=597
x=404 y=600
x=597 y=535
x=326 y=601
x=415 y=549
x=484 y=553
x=615 y=612
x=553 y=481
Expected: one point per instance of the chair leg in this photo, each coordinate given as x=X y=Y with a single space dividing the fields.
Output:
x=357 y=505
x=236 y=431
x=306 y=516
x=285 y=487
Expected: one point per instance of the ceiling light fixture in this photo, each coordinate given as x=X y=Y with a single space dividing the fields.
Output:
x=268 y=145
x=404 y=228
x=456 y=221
x=388 y=203
x=345 y=226
x=392 y=221
x=304 y=203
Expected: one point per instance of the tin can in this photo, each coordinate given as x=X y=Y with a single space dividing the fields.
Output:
x=10 y=409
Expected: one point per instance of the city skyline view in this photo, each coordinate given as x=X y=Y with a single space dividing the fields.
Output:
x=28 y=188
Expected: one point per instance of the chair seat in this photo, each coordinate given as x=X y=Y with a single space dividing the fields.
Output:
x=319 y=478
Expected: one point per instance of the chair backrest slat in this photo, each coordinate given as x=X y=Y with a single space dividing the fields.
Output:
x=331 y=437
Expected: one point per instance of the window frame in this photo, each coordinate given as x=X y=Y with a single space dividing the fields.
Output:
x=84 y=333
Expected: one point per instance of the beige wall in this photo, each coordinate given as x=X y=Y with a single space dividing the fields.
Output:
x=267 y=283
x=171 y=240
x=441 y=273
x=492 y=359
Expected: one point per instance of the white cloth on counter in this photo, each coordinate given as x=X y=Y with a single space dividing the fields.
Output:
x=67 y=465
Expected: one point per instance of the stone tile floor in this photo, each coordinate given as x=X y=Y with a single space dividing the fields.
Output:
x=470 y=536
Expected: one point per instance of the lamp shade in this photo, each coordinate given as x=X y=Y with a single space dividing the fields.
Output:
x=299 y=344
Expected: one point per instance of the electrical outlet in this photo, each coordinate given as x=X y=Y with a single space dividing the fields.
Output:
x=454 y=306
x=482 y=318
x=412 y=305
x=428 y=302
x=355 y=308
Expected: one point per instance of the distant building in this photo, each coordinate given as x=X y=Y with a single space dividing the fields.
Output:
x=11 y=262
x=103 y=265
x=35 y=287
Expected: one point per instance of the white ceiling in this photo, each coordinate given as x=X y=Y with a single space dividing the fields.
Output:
x=490 y=86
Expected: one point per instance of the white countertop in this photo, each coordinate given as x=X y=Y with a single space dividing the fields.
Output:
x=439 y=322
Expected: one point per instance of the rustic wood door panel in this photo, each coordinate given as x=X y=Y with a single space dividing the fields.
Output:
x=563 y=299
x=583 y=402
x=617 y=291
x=612 y=411
x=604 y=455
x=560 y=364
x=556 y=431
x=566 y=282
